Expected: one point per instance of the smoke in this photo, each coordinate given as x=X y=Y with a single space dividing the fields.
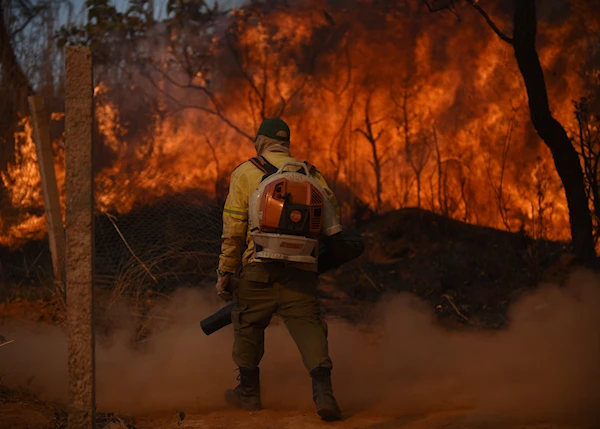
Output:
x=545 y=365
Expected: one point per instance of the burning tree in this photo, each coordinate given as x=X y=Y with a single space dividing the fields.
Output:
x=417 y=132
x=373 y=137
x=586 y=139
x=549 y=129
x=14 y=83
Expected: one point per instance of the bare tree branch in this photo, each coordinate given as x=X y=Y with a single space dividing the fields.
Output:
x=31 y=15
x=437 y=6
x=217 y=112
x=492 y=25
x=368 y=134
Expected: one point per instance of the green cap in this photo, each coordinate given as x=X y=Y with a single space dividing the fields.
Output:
x=275 y=128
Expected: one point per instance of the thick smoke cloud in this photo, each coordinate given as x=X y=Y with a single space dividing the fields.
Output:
x=545 y=365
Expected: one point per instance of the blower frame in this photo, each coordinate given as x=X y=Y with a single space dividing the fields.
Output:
x=273 y=241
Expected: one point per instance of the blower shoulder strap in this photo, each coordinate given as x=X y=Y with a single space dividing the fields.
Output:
x=268 y=169
x=311 y=168
x=263 y=165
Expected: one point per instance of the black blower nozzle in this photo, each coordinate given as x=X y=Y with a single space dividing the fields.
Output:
x=218 y=320
x=334 y=251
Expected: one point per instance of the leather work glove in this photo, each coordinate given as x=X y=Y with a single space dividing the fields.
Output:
x=223 y=285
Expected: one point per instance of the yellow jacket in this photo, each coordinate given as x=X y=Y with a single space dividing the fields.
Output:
x=236 y=235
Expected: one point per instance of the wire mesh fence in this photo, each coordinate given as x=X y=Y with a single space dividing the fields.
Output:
x=173 y=242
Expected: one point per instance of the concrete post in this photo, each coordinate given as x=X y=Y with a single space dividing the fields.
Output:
x=80 y=237
x=43 y=144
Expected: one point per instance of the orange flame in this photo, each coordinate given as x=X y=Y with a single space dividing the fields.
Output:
x=446 y=108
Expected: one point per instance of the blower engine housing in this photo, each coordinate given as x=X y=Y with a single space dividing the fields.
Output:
x=288 y=212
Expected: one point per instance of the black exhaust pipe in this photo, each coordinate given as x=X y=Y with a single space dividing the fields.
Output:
x=334 y=251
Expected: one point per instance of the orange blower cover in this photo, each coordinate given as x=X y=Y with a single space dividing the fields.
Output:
x=284 y=201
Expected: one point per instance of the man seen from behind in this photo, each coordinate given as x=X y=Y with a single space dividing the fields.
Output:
x=267 y=286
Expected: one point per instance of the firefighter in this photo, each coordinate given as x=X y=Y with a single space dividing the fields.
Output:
x=288 y=289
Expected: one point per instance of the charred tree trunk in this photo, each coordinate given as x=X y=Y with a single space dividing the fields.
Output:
x=551 y=131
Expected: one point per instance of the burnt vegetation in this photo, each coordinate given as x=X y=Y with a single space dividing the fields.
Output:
x=433 y=129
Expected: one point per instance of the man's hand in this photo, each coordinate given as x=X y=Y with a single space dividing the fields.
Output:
x=223 y=285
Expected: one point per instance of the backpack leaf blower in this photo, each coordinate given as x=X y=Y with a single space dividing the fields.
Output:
x=289 y=213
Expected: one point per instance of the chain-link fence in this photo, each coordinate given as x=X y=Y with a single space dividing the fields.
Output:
x=173 y=242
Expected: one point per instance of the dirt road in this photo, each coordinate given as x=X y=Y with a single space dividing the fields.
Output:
x=21 y=415
x=269 y=419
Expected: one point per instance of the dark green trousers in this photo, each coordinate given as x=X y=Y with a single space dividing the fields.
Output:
x=266 y=289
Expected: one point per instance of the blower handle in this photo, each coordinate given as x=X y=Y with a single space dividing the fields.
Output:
x=297 y=164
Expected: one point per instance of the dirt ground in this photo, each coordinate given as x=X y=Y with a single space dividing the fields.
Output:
x=39 y=416
x=268 y=419
x=24 y=412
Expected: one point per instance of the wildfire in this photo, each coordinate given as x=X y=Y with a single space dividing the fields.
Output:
x=175 y=158
x=433 y=109
x=22 y=181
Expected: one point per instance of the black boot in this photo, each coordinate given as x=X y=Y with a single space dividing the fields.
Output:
x=327 y=406
x=247 y=395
